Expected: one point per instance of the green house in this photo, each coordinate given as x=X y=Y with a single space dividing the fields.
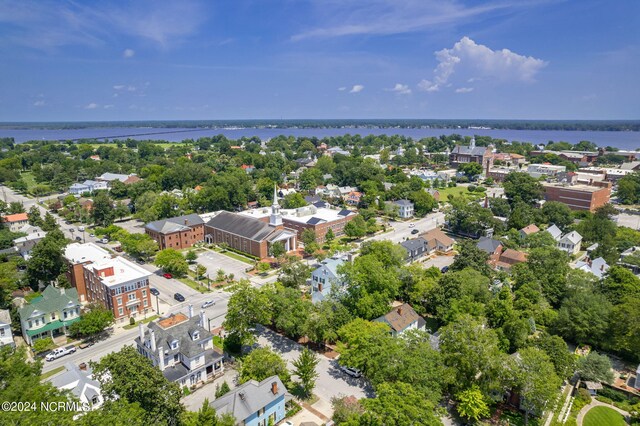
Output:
x=50 y=314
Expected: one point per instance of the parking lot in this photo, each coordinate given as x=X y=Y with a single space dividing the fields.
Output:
x=213 y=261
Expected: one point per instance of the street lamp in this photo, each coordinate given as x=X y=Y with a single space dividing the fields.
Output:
x=208 y=281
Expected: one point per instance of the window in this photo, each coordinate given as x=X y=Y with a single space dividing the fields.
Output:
x=1 y=332
x=119 y=301
x=65 y=314
x=196 y=335
x=145 y=303
x=144 y=293
x=132 y=296
x=174 y=344
x=120 y=311
x=53 y=316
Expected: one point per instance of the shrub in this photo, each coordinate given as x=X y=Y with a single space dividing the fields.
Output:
x=132 y=321
x=583 y=397
x=471 y=188
x=481 y=189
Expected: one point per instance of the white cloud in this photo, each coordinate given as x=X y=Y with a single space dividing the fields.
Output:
x=468 y=58
x=92 y=105
x=108 y=106
x=400 y=89
x=342 y=89
x=384 y=17
x=128 y=53
x=464 y=89
x=357 y=88
x=119 y=86
x=39 y=103
x=131 y=88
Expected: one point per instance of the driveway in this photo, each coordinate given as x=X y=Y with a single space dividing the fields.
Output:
x=331 y=381
x=213 y=261
x=193 y=401
x=402 y=230
x=438 y=261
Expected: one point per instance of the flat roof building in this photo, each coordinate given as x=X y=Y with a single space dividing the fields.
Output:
x=577 y=197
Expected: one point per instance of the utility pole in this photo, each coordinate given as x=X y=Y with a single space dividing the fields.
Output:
x=157 y=305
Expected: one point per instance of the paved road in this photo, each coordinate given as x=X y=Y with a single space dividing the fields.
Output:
x=122 y=337
x=402 y=230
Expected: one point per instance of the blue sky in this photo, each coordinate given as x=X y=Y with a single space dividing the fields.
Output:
x=537 y=59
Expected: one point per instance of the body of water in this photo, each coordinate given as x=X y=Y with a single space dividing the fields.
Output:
x=621 y=140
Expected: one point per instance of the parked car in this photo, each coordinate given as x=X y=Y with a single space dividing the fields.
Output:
x=81 y=228
x=415 y=231
x=78 y=238
x=167 y=275
x=445 y=269
x=208 y=303
x=179 y=297
x=154 y=291
x=412 y=225
x=60 y=352
x=104 y=240
x=353 y=372
x=86 y=344
x=66 y=222
x=92 y=235
x=140 y=261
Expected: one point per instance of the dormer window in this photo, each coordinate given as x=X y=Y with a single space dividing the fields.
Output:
x=196 y=335
x=174 y=344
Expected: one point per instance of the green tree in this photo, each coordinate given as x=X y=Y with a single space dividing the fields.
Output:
x=629 y=188
x=305 y=369
x=247 y=306
x=329 y=236
x=308 y=236
x=42 y=345
x=222 y=389
x=472 y=404
x=584 y=318
x=35 y=217
x=20 y=381
x=620 y=283
x=118 y=413
x=624 y=336
x=92 y=322
x=399 y=404
x=46 y=261
x=557 y=213
x=141 y=246
x=537 y=380
x=470 y=256
x=548 y=268
x=201 y=270
x=49 y=223
x=471 y=170
x=460 y=293
x=205 y=416
x=191 y=256
x=521 y=187
x=127 y=374
x=277 y=250
x=102 y=211
x=423 y=202
x=172 y=261
x=596 y=368
x=262 y=363
x=358 y=343
x=293 y=201
x=356 y=228
x=294 y=273
x=556 y=348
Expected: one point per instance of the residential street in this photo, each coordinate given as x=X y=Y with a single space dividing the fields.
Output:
x=402 y=230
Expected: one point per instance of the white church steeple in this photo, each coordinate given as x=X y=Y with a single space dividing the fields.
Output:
x=276 y=218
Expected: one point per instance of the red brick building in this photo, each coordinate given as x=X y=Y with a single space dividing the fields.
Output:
x=177 y=232
x=578 y=197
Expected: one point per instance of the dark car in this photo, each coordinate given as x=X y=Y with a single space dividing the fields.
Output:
x=415 y=231
x=78 y=238
x=154 y=291
x=445 y=269
x=140 y=261
x=179 y=297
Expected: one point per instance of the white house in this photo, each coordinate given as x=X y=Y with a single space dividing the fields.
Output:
x=182 y=348
x=6 y=336
x=401 y=319
x=597 y=267
x=25 y=244
x=87 y=186
x=324 y=278
x=405 y=208
x=570 y=242
x=79 y=380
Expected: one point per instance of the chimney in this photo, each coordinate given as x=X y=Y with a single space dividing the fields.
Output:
x=161 y=358
x=153 y=340
x=141 y=333
x=186 y=221
x=203 y=320
x=400 y=311
x=190 y=310
x=274 y=388
x=83 y=366
x=602 y=267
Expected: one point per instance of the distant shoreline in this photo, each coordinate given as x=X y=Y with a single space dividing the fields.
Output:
x=445 y=124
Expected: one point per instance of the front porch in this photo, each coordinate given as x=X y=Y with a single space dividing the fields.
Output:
x=54 y=330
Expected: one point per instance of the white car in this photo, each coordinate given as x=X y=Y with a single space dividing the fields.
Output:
x=353 y=372
x=208 y=303
x=60 y=352
x=411 y=225
x=81 y=228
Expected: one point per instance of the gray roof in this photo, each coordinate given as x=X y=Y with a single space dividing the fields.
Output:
x=414 y=244
x=311 y=199
x=5 y=316
x=315 y=220
x=554 y=231
x=573 y=237
x=113 y=176
x=330 y=265
x=403 y=202
x=181 y=332
x=248 y=398
x=466 y=150
x=175 y=224
x=72 y=375
x=244 y=226
x=52 y=300
x=488 y=245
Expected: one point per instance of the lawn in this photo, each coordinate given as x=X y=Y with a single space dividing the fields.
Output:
x=52 y=372
x=142 y=321
x=237 y=256
x=457 y=191
x=194 y=285
x=28 y=178
x=598 y=416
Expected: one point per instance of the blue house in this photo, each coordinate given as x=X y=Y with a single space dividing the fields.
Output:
x=255 y=403
x=323 y=279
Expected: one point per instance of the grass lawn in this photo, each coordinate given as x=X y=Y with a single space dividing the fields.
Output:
x=194 y=285
x=218 y=342
x=236 y=256
x=28 y=178
x=457 y=191
x=598 y=416
x=52 y=372
x=143 y=321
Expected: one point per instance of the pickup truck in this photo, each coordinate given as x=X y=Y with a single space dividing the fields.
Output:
x=60 y=352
